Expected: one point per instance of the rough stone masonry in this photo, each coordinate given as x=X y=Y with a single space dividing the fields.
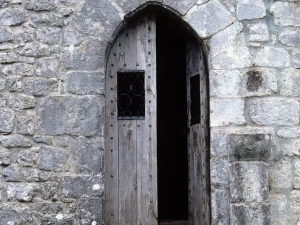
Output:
x=52 y=63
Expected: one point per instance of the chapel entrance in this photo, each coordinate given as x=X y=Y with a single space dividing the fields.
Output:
x=157 y=156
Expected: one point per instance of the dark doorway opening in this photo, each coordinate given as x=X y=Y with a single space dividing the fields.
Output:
x=172 y=146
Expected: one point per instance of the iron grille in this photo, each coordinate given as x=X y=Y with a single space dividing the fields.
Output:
x=131 y=94
x=195 y=99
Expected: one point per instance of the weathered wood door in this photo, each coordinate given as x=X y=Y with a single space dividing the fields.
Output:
x=131 y=128
x=130 y=157
x=198 y=135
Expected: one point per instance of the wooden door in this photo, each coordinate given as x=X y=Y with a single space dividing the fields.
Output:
x=130 y=155
x=198 y=135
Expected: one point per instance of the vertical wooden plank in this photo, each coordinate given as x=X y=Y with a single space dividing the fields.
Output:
x=146 y=142
x=205 y=153
x=111 y=146
x=143 y=134
x=198 y=141
x=191 y=156
x=127 y=137
x=151 y=107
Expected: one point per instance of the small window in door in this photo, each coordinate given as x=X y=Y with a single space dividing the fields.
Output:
x=131 y=94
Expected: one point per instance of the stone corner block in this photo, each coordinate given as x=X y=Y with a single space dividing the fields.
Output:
x=249 y=182
x=250 y=147
x=254 y=213
x=220 y=202
x=225 y=112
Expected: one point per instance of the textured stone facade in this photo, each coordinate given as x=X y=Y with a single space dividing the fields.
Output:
x=52 y=66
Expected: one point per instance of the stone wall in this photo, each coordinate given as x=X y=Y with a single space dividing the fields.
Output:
x=52 y=64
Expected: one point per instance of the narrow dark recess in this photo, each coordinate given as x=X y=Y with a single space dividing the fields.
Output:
x=171 y=120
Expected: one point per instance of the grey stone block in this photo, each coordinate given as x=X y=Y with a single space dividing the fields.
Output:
x=36 y=175
x=47 y=67
x=69 y=115
x=290 y=38
x=3 y=101
x=26 y=33
x=89 y=155
x=281 y=176
x=26 y=124
x=59 y=141
x=274 y=111
x=278 y=209
x=12 y=213
x=15 y=83
x=36 y=86
x=53 y=159
x=23 y=69
x=225 y=53
x=49 y=191
x=209 y=18
x=90 y=211
x=21 y=101
x=295 y=202
x=60 y=219
x=16 y=140
x=7 y=119
x=4 y=3
x=252 y=214
x=224 y=112
x=13 y=16
x=259 y=82
x=49 y=35
x=85 y=83
x=90 y=55
x=100 y=22
x=249 y=182
x=2 y=86
x=22 y=192
x=9 y=57
x=50 y=19
x=182 y=6
x=40 y=5
x=225 y=83
x=250 y=147
x=219 y=172
x=14 y=173
x=289 y=132
x=290 y=79
x=68 y=2
x=5 y=156
x=259 y=32
x=272 y=57
x=220 y=207
x=46 y=207
x=296 y=59
x=28 y=157
x=82 y=186
x=73 y=38
x=250 y=9
x=285 y=14
x=6 y=35
x=35 y=49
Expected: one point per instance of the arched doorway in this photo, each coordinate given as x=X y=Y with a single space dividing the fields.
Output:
x=157 y=155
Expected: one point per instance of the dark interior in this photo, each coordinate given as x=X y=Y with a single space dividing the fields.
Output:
x=171 y=119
